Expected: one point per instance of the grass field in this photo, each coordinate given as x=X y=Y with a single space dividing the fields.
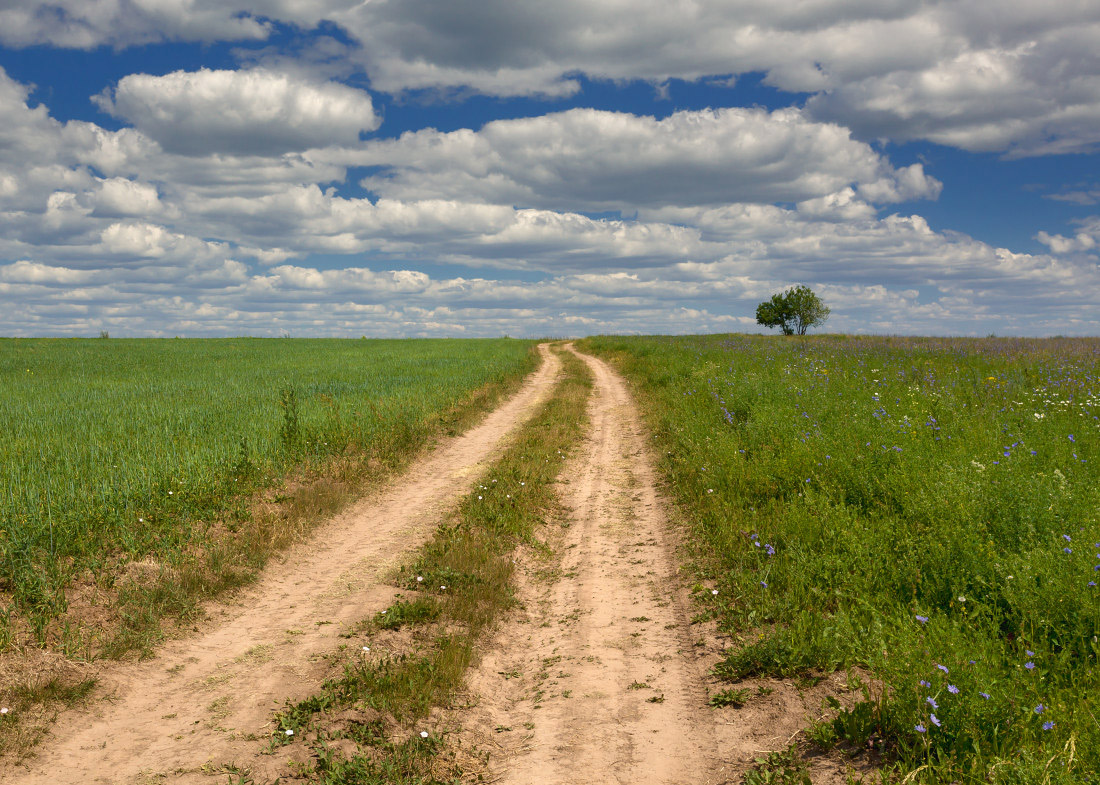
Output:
x=927 y=509
x=119 y=452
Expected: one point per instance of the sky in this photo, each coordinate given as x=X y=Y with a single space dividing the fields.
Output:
x=469 y=168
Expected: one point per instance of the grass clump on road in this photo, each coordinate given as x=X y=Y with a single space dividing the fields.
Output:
x=452 y=593
x=928 y=509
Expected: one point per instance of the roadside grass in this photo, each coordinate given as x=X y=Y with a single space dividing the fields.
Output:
x=926 y=509
x=145 y=477
x=451 y=593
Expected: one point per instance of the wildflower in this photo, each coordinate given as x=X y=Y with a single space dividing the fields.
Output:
x=423 y=734
x=943 y=668
x=984 y=695
x=419 y=578
x=922 y=619
x=1072 y=439
x=931 y=702
x=289 y=732
x=962 y=598
x=1067 y=550
x=1029 y=652
x=1066 y=537
x=920 y=728
x=952 y=689
x=935 y=721
x=1048 y=725
x=1092 y=583
x=763 y=584
x=4 y=710
x=443 y=588
x=366 y=648
x=714 y=591
x=770 y=550
x=1040 y=709
x=1029 y=665
x=923 y=683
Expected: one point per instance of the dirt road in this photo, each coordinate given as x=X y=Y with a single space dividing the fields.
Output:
x=201 y=702
x=599 y=681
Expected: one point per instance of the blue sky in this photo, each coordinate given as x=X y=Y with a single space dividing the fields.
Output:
x=423 y=167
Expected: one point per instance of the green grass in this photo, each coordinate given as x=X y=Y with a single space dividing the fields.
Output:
x=471 y=556
x=118 y=451
x=925 y=508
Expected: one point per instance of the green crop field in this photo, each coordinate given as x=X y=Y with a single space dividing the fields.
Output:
x=926 y=509
x=116 y=450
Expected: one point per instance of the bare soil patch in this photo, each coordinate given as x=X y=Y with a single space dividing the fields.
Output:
x=202 y=707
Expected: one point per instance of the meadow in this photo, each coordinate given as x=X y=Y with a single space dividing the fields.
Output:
x=922 y=512
x=119 y=452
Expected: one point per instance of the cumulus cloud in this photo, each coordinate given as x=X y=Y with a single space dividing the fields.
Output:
x=85 y=24
x=255 y=112
x=598 y=160
x=1084 y=241
x=104 y=229
x=1016 y=76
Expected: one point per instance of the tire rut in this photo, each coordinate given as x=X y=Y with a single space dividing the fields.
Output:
x=597 y=681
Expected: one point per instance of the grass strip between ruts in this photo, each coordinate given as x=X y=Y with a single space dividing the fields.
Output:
x=453 y=592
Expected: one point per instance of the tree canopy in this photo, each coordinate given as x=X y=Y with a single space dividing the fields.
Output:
x=794 y=311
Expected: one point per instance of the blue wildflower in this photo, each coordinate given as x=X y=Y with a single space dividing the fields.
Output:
x=943 y=668
x=931 y=702
x=922 y=619
x=920 y=728
x=984 y=695
x=1066 y=537
x=934 y=720
x=923 y=683
x=1067 y=550
x=1029 y=665
x=952 y=689
x=1048 y=725
x=1040 y=709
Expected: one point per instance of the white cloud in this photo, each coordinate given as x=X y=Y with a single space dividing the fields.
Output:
x=105 y=230
x=85 y=24
x=1085 y=241
x=586 y=159
x=255 y=112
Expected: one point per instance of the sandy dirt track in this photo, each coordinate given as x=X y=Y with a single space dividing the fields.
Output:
x=598 y=681
x=204 y=701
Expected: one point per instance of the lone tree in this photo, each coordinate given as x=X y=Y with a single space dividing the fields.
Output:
x=794 y=311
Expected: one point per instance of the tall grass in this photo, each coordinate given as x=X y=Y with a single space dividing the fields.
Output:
x=929 y=509
x=115 y=449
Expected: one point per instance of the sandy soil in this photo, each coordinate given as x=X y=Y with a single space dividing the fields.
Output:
x=207 y=701
x=601 y=677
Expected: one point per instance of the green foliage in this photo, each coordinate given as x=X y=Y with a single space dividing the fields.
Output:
x=785 y=767
x=901 y=505
x=115 y=450
x=729 y=697
x=794 y=311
